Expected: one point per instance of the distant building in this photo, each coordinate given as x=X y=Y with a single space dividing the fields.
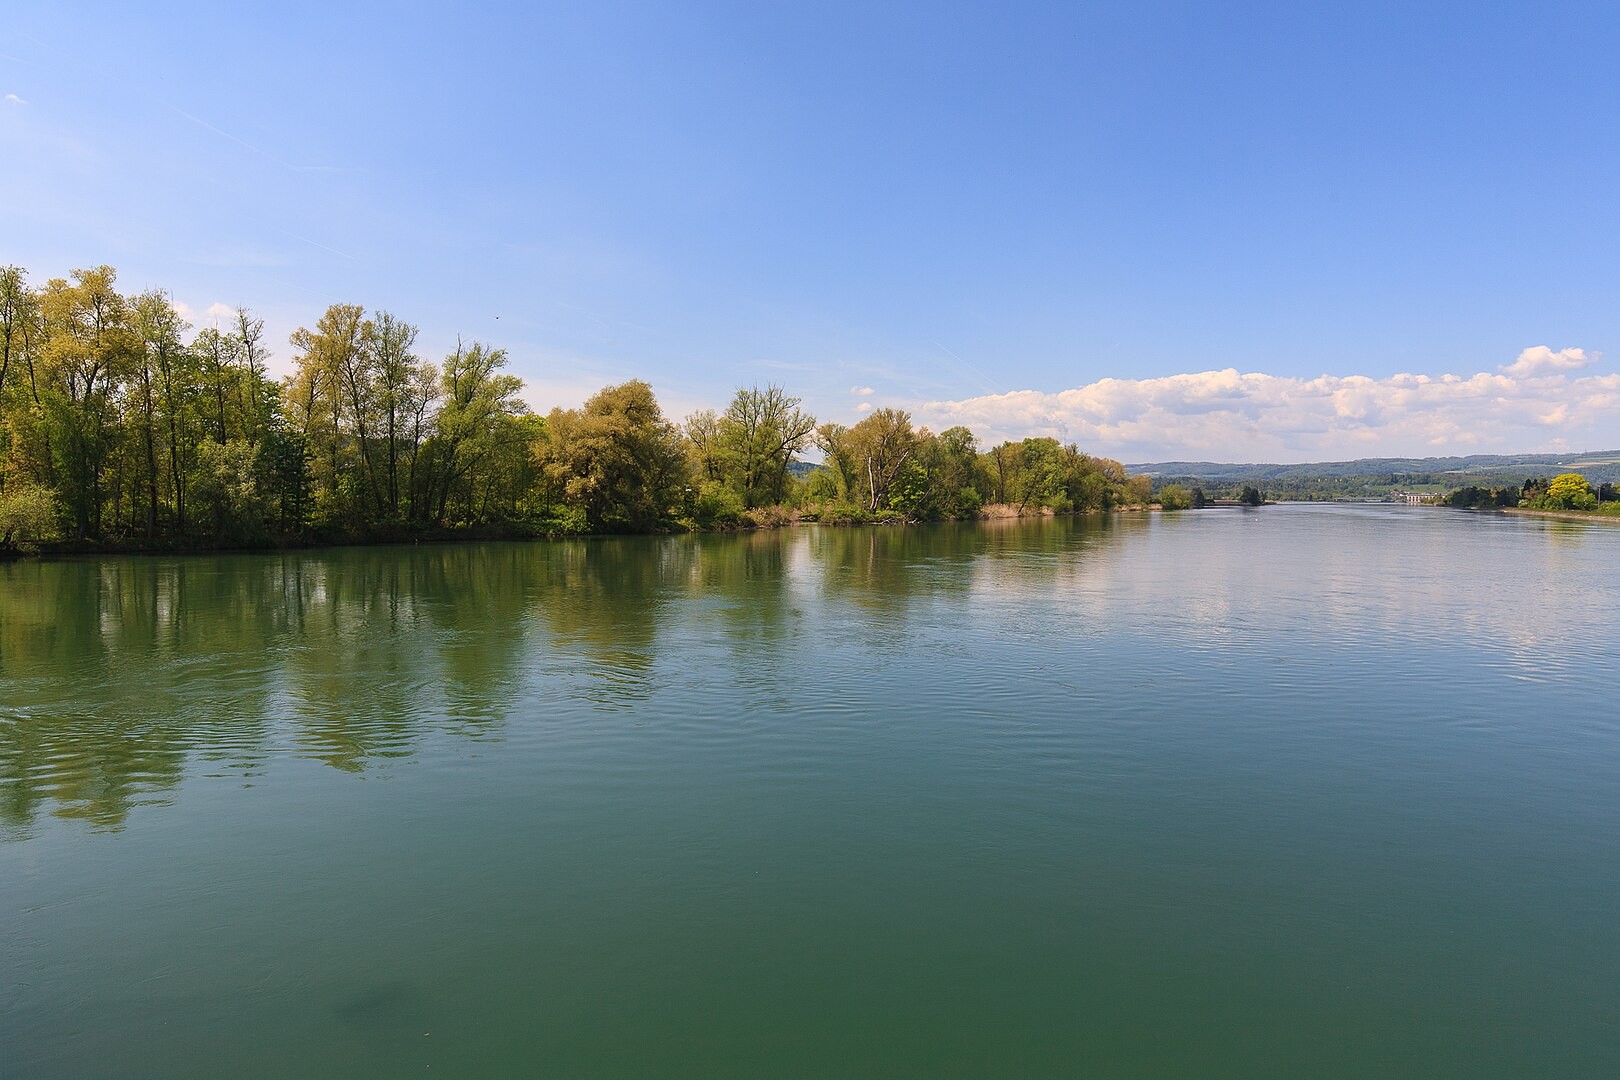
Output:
x=1412 y=498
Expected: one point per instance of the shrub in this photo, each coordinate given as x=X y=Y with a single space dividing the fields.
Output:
x=770 y=517
x=28 y=515
x=716 y=507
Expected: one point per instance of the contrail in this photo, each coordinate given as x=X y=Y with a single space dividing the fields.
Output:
x=312 y=243
x=233 y=138
x=983 y=378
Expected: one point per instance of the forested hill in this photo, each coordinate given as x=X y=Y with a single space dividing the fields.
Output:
x=1597 y=466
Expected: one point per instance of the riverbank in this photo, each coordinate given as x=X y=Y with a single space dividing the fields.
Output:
x=1565 y=515
x=140 y=545
x=753 y=521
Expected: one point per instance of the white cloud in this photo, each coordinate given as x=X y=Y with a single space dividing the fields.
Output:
x=215 y=314
x=861 y=391
x=865 y=406
x=1541 y=360
x=13 y=99
x=1535 y=403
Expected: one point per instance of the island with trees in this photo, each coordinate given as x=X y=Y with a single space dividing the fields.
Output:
x=122 y=427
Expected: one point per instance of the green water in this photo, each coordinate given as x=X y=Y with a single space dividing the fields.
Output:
x=1302 y=791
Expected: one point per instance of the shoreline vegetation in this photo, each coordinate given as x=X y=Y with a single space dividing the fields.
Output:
x=1567 y=496
x=71 y=549
x=124 y=429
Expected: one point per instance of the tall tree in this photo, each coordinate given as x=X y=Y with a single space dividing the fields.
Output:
x=398 y=386
x=702 y=430
x=215 y=354
x=16 y=319
x=159 y=328
x=617 y=459
x=19 y=338
x=881 y=445
x=247 y=345
x=477 y=398
x=87 y=349
x=330 y=382
x=759 y=434
x=839 y=460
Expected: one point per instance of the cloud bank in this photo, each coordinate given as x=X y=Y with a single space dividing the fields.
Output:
x=1545 y=400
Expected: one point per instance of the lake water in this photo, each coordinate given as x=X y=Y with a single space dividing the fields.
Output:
x=1300 y=791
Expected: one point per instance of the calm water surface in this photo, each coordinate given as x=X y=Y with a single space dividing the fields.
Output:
x=1302 y=791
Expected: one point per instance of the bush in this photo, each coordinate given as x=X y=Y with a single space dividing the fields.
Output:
x=769 y=517
x=716 y=507
x=563 y=520
x=848 y=514
x=28 y=514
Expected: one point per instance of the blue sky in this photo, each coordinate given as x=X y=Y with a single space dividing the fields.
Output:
x=1163 y=230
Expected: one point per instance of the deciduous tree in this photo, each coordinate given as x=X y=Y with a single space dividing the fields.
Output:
x=617 y=459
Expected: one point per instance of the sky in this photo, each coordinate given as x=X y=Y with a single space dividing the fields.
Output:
x=1165 y=231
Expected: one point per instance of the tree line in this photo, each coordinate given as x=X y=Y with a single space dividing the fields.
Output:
x=1566 y=491
x=121 y=424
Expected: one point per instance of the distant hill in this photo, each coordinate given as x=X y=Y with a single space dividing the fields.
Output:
x=1598 y=466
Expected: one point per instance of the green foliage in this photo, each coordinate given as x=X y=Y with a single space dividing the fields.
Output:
x=716 y=506
x=819 y=487
x=120 y=425
x=1040 y=473
x=1469 y=496
x=617 y=458
x=226 y=487
x=1175 y=497
x=751 y=446
x=482 y=434
x=1250 y=496
x=28 y=514
x=851 y=514
x=880 y=446
x=1568 y=491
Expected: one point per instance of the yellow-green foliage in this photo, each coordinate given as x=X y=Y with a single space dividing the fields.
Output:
x=1569 y=491
x=28 y=514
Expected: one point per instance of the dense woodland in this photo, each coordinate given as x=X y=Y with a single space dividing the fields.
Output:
x=121 y=425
